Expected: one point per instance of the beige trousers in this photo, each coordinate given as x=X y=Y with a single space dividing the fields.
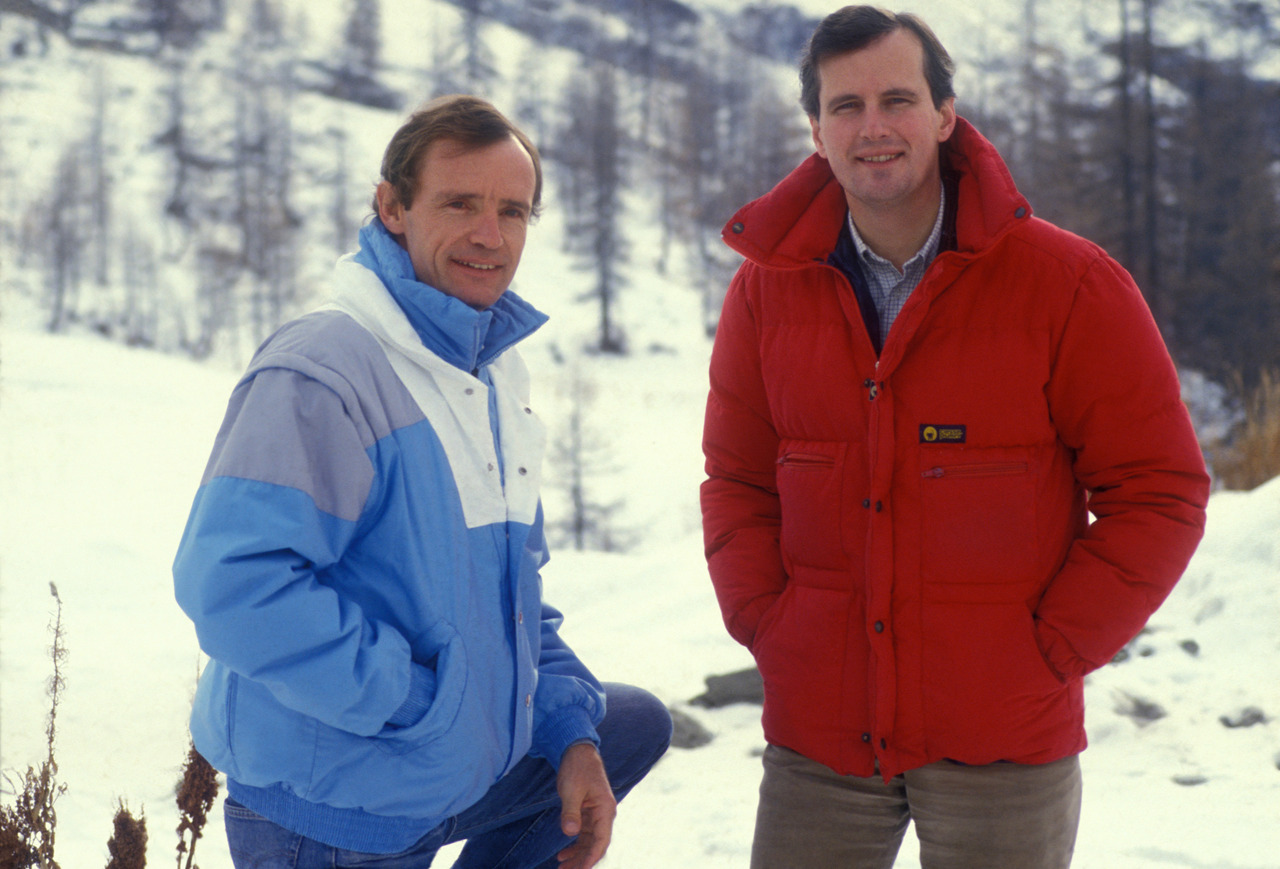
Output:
x=1001 y=816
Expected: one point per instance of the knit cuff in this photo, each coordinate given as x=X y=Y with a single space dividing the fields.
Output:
x=422 y=690
x=567 y=726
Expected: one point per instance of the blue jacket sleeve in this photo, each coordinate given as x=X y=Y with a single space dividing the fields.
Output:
x=569 y=701
x=280 y=501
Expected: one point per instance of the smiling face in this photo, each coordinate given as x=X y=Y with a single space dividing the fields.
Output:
x=465 y=228
x=878 y=128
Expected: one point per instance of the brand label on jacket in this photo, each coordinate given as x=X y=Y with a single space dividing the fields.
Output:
x=942 y=434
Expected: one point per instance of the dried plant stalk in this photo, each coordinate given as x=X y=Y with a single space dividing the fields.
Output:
x=128 y=844
x=196 y=795
x=1254 y=455
x=27 y=829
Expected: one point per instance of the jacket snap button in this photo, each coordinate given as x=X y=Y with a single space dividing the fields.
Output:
x=866 y=737
x=738 y=228
x=879 y=626
x=866 y=503
x=523 y=471
x=470 y=391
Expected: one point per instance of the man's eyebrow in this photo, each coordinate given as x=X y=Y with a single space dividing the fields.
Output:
x=452 y=195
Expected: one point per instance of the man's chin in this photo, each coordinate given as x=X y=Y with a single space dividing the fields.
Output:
x=476 y=296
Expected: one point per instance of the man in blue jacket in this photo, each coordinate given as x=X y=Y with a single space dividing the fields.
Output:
x=362 y=558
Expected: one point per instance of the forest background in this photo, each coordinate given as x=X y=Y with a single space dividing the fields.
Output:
x=179 y=174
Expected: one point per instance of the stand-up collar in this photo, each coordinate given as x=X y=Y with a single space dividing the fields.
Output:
x=447 y=326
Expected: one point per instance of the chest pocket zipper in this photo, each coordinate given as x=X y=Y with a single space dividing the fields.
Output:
x=989 y=469
x=802 y=461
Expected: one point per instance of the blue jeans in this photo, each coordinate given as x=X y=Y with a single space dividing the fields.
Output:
x=516 y=825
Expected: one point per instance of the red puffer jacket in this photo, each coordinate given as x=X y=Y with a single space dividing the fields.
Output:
x=903 y=543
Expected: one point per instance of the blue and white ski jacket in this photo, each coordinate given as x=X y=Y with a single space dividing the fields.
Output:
x=362 y=566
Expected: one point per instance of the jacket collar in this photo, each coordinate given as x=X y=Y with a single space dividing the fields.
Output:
x=798 y=222
x=450 y=328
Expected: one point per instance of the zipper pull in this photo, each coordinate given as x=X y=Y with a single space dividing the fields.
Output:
x=872 y=389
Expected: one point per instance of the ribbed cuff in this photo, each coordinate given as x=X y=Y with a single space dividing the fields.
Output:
x=422 y=690
x=567 y=726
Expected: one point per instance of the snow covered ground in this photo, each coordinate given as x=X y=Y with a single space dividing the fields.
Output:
x=101 y=448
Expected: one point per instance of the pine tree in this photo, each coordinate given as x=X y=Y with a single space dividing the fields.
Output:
x=592 y=151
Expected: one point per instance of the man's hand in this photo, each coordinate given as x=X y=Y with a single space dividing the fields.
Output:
x=587 y=806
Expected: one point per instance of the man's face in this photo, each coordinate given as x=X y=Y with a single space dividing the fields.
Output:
x=466 y=228
x=878 y=128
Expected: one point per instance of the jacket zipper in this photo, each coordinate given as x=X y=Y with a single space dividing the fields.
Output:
x=992 y=469
x=806 y=460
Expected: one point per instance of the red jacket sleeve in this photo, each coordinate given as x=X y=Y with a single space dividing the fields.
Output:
x=740 y=508
x=1114 y=398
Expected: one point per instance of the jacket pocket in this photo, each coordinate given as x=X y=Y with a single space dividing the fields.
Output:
x=988 y=692
x=810 y=476
x=451 y=683
x=978 y=529
x=802 y=655
x=432 y=769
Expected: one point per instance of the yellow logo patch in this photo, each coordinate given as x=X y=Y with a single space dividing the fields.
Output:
x=937 y=433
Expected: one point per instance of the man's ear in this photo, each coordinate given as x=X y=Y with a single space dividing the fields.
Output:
x=817 y=137
x=390 y=211
x=948 y=112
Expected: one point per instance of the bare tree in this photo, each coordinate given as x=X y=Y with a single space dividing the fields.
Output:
x=63 y=233
x=264 y=169
x=361 y=50
x=1225 y=270
x=733 y=139
x=479 y=71
x=592 y=152
x=1151 y=273
x=578 y=460
x=140 y=317
x=359 y=57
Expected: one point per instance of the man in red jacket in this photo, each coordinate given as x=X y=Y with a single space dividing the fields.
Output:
x=918 y=394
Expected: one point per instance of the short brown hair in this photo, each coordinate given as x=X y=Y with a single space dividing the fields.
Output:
x=469 y=120
x=856 y=27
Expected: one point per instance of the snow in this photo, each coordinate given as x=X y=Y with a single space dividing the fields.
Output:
x=101 y=448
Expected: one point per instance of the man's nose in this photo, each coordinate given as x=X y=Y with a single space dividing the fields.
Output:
x=874 y=124
x=486 y=231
